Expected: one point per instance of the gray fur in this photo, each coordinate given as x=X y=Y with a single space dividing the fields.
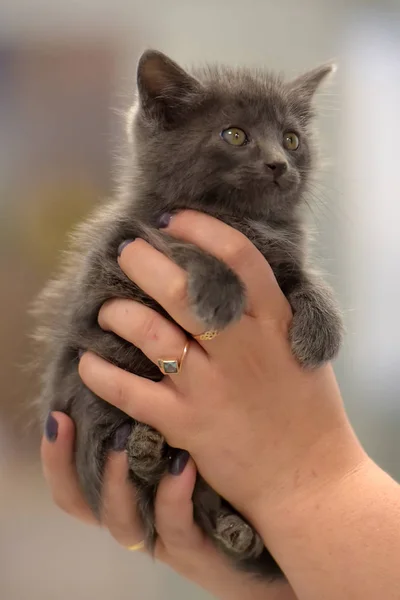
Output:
x=178 y=160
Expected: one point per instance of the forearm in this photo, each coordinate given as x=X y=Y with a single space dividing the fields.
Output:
x=343 y=542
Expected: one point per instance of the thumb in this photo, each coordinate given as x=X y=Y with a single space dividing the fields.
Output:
x=174 y=507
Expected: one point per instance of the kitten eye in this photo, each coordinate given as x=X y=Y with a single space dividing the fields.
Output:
x=291 y=141
x=234 y=136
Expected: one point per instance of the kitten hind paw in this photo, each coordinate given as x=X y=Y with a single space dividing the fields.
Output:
x=147 y=454
x=237 y=537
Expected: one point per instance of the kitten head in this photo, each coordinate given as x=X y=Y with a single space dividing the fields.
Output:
x=223 y=140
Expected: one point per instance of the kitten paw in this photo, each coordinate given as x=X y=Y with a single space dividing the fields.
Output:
x=316 y=331
x=216 y=294
x=147 y=454
x=237 y=537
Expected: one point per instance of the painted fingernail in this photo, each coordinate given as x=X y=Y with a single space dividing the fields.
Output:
x=51 y=428
x=179 y=462
x=121 y=437
x=124 y=245
x=80 y=353
x=164 y=220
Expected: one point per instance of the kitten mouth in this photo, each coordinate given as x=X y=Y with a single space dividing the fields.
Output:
x=284 y=185
x=277 y=185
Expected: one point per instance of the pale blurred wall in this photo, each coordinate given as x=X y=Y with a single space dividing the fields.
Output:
x=70 y=63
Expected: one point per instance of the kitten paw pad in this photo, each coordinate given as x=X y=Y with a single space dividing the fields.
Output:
x=237 y=537
x=146 y=450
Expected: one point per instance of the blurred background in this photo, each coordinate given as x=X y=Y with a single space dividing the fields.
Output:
x=67 y=69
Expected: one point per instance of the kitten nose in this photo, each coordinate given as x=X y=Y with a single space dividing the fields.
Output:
x=278 y=168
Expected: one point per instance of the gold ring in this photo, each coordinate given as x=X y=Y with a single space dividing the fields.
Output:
x=207 y=335
x=136 y=547
x=172 y=366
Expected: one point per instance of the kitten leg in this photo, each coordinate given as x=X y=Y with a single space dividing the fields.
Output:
x=316 y=331
x=147 y=453
x=236 y=537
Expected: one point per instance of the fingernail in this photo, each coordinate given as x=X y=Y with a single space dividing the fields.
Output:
x=51 y=428
x=80 y=353
x=121 y=437
x=164 y=220
x=123 y=245
x=179 y=462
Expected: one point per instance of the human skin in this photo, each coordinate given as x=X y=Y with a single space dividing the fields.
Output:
x=181 y=544
x=269 y=436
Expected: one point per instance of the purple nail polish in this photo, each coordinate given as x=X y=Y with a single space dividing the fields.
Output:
x=179 y=462
x=51 y=428
x=121 y=437
x=164 y=220
x=123 y=245
x=80 y=353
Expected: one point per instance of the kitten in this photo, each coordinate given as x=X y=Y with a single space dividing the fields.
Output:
x=233 y=143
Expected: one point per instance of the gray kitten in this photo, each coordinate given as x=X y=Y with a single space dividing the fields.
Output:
x=233 y=143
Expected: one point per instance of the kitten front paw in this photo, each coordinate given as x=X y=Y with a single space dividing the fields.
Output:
x=237 y=537
x=147 y=453
x=316 y=331
x=216 y=293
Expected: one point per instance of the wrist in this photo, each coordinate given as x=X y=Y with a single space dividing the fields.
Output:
x=334 y=458
x=353 y=520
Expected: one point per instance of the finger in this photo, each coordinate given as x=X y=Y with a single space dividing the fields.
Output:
x=236 y=250
x=144 y=400
x=161 y=279
x=158 y=338
x=155 y=279
x=59 y=468
x=174 y=510
x=119 y=512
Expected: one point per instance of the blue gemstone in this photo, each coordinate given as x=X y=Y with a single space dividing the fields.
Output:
x=169 y=366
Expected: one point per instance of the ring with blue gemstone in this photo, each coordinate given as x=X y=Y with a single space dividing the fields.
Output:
x=172 y=366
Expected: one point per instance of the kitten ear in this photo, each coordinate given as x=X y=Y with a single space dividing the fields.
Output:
x=165 y=89
x=307 y=84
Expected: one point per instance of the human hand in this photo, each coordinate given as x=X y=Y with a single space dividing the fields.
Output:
x=259 y=427
x=180 y=544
